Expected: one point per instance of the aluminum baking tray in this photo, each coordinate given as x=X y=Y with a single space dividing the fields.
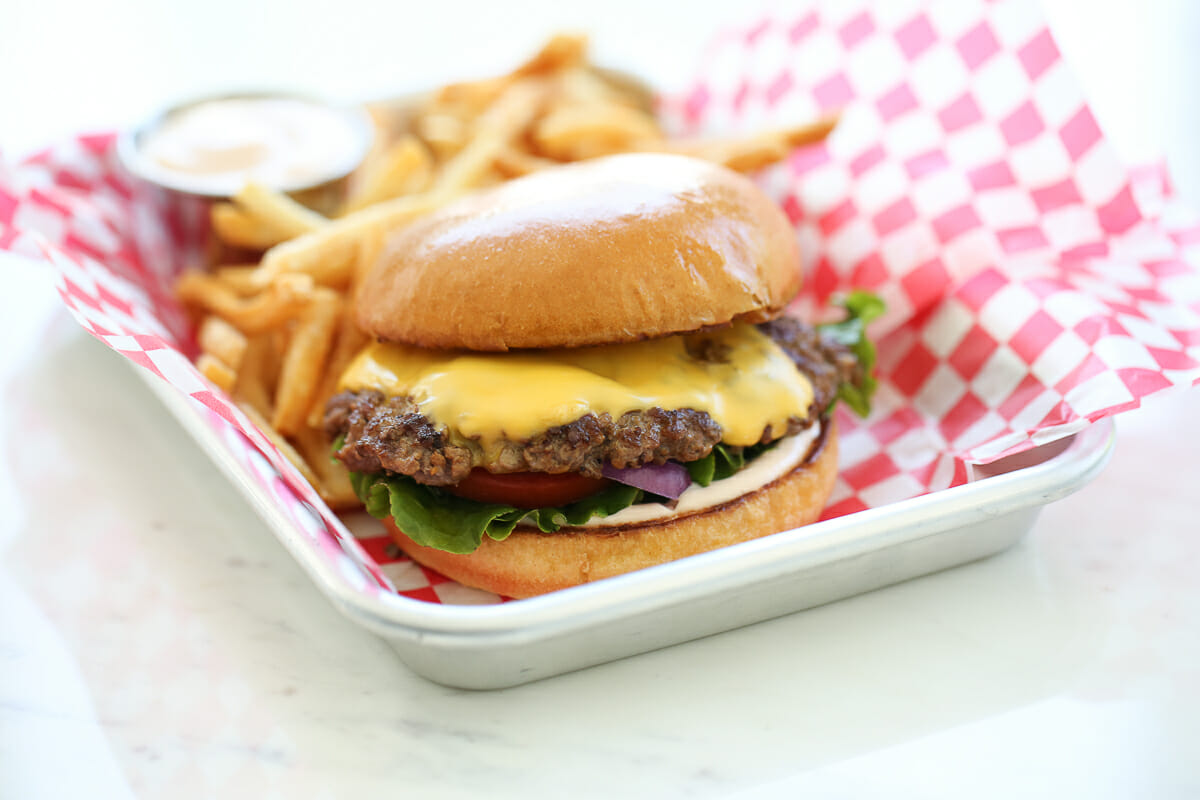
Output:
x=501 y=645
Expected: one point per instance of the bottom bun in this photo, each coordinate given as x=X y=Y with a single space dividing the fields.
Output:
x=530 y=562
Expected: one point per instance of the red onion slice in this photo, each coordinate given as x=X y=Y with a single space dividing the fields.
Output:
x=665 y=480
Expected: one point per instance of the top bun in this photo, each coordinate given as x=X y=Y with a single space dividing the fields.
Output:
x=604 y=251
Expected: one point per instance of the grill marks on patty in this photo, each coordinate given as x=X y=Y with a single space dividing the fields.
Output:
x=390 y=434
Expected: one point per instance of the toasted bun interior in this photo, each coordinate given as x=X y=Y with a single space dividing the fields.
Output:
x=609 y=250
x=530 y=563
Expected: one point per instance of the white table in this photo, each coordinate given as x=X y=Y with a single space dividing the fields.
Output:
x=155 y=640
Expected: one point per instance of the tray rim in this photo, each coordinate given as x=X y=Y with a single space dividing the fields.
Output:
x=536 y=618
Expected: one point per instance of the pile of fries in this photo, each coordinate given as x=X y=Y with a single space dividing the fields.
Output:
x=277 y=333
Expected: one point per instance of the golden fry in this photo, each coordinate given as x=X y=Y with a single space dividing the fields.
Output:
x=329 y=255
x=234 y=226
x=494 y=130
x=241 y=279
x=304 y=361
x=283 y=299
x=513 y=162
x=445 y=134
x=469 y=99
x=222 y=341
x=277 y=212
x=405 y=168
x=758 y=151
x=253 y=385
x=333 y=479
x=217 y=371
x=348 y=342
x=563 y=51
x=575 y=132
x=289 y=451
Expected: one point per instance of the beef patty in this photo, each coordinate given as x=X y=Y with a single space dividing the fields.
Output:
x=383 y=433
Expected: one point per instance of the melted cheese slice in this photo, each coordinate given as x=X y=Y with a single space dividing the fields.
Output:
x=491 y=397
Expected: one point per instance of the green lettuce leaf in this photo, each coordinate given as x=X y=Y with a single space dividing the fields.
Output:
x=861 y=308
x=435 y=518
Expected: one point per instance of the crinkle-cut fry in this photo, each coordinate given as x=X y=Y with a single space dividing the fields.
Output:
x=760 y=150
x=574 y=132
x=221 y=374
x=333 y=479
x=494 y=130
x=280 y=442
x=329 y=255
x=222 y=341
x=406 y=168
x=513 y=162
x=235 y=226
x=304 y=361
x=277 y=212
x=562 y=51
x=281 y=300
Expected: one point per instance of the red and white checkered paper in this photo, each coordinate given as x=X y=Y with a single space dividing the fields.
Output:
x=1035 y=284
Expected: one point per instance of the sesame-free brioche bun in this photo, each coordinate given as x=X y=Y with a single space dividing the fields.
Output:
x=530 y=562
x=610 y=250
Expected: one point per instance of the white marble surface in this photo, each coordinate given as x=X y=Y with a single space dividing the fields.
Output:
x=156 y=641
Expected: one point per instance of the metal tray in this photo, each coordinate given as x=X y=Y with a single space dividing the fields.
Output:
x=495 y=646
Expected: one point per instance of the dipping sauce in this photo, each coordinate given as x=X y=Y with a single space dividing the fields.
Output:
x=214 y=147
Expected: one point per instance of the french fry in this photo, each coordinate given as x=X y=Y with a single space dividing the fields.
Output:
x=333 y=479
x=283 y=299
x=234 y=226
x=758 y=151
x=348 y=342
x=241 y=279
x=329 y=255
x=469 y=99
x=405 y=168
x=222 y=341
x=494 y=130
x=513 y=162
x=252 y=385
x=277 y=212
x=564 y=50
x=304 y=361
x=582 y=85
x=216 y=371
x=445 y=134
x=575 y=132
x=289 y=451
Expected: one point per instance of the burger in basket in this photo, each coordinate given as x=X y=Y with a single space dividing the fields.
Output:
x=586 y=371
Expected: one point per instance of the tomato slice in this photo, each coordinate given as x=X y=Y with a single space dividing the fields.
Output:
x=526 y=489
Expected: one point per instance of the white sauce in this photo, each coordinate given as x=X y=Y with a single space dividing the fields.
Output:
x=768 y=467
x=215 y=147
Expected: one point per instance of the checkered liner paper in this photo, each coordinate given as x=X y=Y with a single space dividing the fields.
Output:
x=1035 y=284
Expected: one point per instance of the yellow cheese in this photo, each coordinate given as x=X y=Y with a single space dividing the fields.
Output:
x=489 y=397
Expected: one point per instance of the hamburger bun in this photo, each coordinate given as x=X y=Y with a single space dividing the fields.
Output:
x=611 y=250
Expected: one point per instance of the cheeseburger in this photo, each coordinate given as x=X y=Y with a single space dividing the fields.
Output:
x=586 y=371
